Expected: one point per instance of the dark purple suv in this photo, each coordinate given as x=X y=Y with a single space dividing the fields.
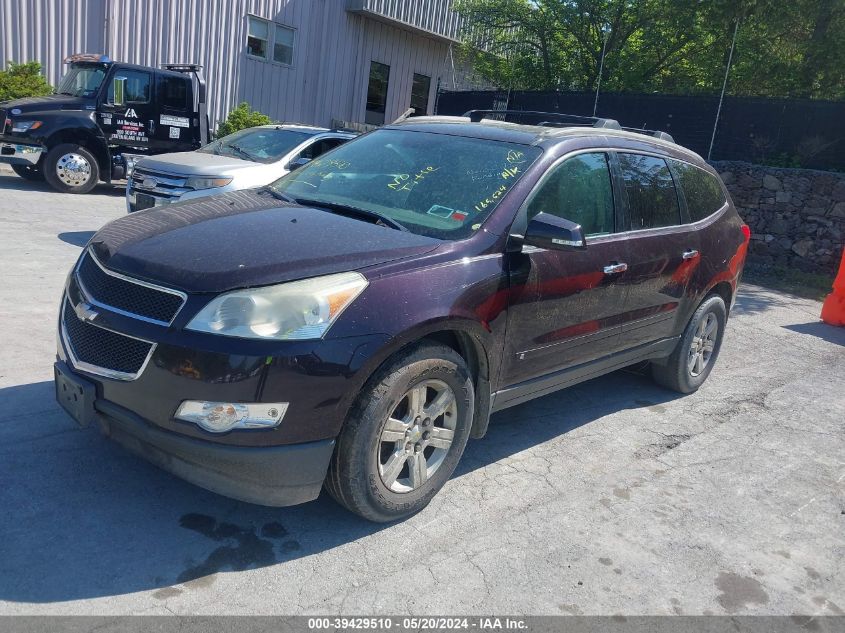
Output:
x=355 y=323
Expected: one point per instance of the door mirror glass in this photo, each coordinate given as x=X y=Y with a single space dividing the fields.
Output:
x=552 y=232
x=118 y=91
x=296 y=163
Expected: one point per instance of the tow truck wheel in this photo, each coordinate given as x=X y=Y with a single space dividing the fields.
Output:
x=71 y=168
x=28 y=172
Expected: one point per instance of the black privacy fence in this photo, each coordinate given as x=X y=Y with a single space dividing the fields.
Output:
x=780 y=132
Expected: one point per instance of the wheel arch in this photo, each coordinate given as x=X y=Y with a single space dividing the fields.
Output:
x=725 y=290
x=467 y=338
x=90 y=141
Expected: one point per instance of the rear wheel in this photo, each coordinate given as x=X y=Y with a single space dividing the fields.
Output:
x=71 y=168
x=694 y=356
x=405 y=436
x=29 y=172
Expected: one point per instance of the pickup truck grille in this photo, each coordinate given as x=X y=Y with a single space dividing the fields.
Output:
x=127 y=296
x=102 y=351
x=159 y=184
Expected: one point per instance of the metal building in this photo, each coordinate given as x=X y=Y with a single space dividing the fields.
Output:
x=323 y=62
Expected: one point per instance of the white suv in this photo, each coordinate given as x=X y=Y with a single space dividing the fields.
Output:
x=245 y=159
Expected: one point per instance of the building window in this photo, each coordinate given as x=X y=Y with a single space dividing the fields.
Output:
x=260 y=40
x=377 y=93
x=419 y=94
x=283 y=45
x=257 y=37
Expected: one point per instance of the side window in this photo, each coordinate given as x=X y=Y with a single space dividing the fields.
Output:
x=321 y=147
x=702 y=190
x=137 y=86
x=652 y=199
x=173 y=92
x=578 y=190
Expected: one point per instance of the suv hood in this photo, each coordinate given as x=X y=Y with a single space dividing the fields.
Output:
x=196 y=164
x=46 y=104
x=245 y=238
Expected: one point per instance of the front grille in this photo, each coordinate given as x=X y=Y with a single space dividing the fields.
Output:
x=166 y=186
x=102 y=349
x=134 y=298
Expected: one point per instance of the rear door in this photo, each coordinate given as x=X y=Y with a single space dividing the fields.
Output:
x=663 y=249
x=565 y=307
x=172 y=129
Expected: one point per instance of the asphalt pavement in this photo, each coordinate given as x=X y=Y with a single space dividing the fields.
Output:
x=612 y=497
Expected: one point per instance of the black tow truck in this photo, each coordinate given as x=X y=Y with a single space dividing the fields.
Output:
x=103 y=115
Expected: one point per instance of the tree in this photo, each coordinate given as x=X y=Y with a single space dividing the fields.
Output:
x=681 y=46
x=241 y=117
x=23 y=80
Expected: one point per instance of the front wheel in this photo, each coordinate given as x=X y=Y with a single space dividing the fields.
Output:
x=28 y=172
x=71 y=168
x=694 y=356
x=405 y=435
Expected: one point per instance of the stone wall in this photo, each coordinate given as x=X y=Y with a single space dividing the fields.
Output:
x=796 y=216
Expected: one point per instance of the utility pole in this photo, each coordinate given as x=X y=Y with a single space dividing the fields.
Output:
x=724 y=86
x=606 y=31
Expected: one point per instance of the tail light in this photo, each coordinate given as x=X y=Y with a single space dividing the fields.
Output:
x=746 y=231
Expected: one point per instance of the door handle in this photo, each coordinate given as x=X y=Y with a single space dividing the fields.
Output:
x=690 y=254
x=615 y=268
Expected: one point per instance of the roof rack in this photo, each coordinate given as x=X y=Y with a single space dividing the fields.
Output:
x=663 y=136
x=571 y=119
x=566 y=120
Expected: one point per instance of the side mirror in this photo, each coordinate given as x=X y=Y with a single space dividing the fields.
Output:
x=296 y=163
x=118 y=90
x=551 y=232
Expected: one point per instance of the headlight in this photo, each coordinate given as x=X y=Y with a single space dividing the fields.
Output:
x=298 y=310
x=25 y=126
x=197 y=182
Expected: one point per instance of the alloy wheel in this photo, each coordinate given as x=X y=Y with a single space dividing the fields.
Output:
x=417 y=436
x=703 y=344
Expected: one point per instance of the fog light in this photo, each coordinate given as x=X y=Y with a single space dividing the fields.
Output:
x=219 y=417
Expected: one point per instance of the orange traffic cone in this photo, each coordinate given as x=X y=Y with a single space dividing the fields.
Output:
x=833 y=310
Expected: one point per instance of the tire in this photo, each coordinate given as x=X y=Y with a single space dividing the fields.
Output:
x=29 y=172
x=71 y=168
x=372 y=472
x=693 y=358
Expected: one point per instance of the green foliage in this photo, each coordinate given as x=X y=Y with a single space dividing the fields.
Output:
x=23 y=80
x=241 y=117
x=670 y=46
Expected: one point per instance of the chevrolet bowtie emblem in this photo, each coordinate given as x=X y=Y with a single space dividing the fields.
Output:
x=85 y=312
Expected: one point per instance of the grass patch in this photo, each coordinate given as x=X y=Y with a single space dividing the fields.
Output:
x=795 y=282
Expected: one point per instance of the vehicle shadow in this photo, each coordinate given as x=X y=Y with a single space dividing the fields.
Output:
x=824 y=331
x=86 y=519
x=76 y=238
x=13 y=182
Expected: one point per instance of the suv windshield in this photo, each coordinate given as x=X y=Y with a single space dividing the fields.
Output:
x=81 y=80
x=432 y=184
x=259 y=144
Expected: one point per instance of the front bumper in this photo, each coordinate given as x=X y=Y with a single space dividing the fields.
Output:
x=272 y=476
x=19 y=154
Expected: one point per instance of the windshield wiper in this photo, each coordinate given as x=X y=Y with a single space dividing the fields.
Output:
x=345 y=209
x=242 y=152
x=278 y=194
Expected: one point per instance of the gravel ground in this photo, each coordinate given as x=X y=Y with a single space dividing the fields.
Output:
x=612 y=497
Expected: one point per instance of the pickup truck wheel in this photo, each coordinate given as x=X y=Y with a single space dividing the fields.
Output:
x=694 y=356
x=28 y=172
x=71 y=168
x=405 y=435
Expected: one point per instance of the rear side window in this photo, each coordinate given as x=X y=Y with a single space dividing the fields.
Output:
x=702 y=190
x=173 y=92
x=652 y=199
x=578 y=190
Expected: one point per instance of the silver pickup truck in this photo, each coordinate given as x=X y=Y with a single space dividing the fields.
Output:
x=245 y=159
